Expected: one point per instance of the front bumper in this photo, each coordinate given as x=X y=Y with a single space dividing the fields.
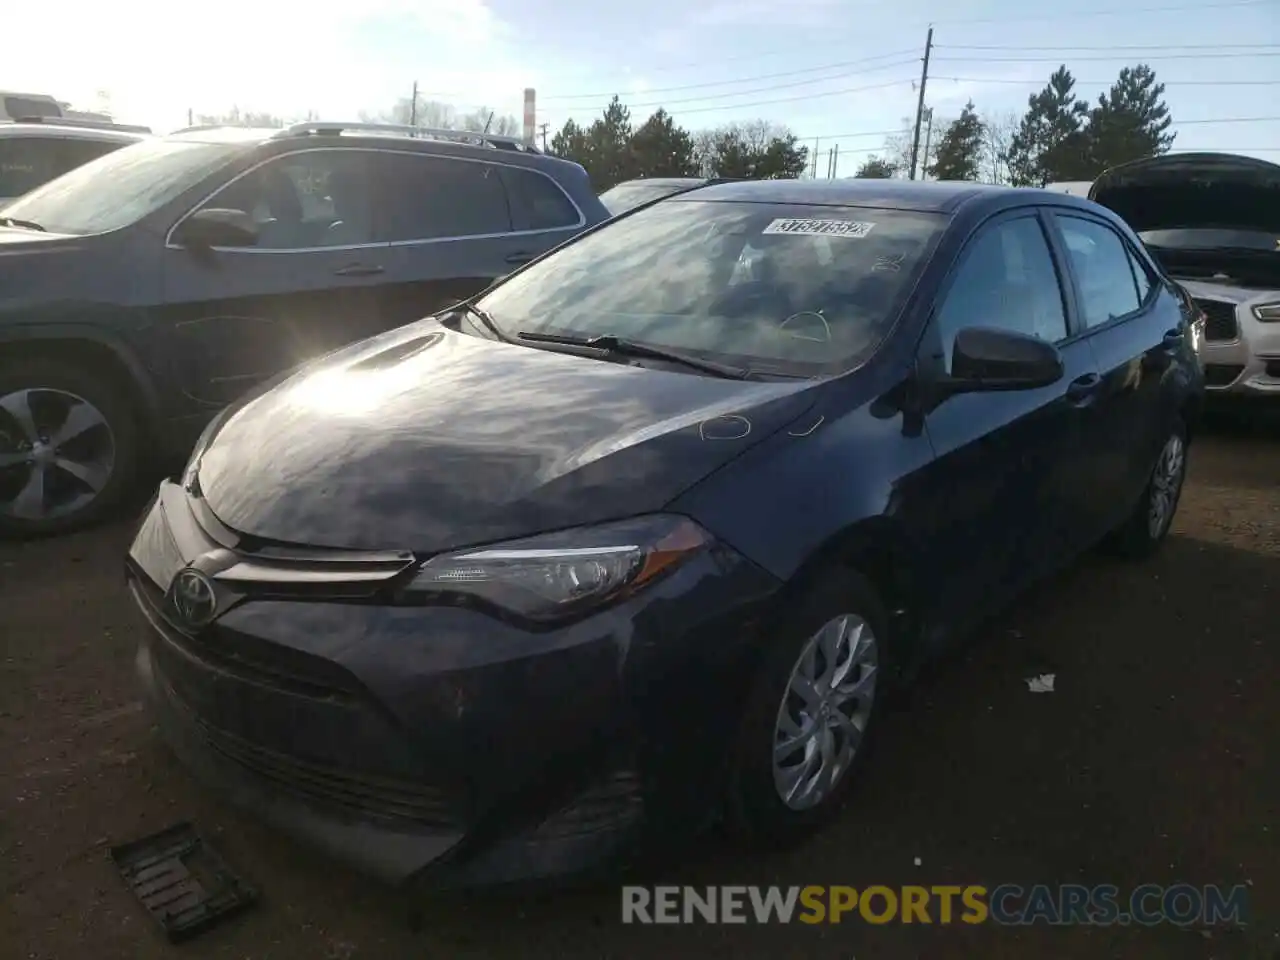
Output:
x=441 y=744
x=1240 y=354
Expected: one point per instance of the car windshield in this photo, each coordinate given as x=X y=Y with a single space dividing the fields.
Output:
x=121 y=187
x=627 y=196
x=797 y=290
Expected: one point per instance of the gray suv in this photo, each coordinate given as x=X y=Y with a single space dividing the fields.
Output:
x=142 y=292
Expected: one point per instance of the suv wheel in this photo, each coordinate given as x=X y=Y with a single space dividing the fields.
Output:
x=811 y=712
x=68 y=447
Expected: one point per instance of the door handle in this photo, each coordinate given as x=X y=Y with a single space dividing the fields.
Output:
x=519 y=258
x=359 y=270
x=1082 y=389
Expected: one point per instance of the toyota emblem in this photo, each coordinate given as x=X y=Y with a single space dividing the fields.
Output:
x=192 y=597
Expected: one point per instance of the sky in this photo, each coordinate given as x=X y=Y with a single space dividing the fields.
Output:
x=838 y=72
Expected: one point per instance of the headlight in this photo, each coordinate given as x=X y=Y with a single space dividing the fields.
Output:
x=1197 y=333
x=563 y=573
x=1267 y=312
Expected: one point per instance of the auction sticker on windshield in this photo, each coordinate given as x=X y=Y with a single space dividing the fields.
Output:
x=820 y=228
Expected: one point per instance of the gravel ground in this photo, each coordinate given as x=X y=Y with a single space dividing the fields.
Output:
x=1154 y=760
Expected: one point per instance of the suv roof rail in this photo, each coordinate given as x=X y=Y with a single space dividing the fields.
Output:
x=315 y=127
x=90 y=124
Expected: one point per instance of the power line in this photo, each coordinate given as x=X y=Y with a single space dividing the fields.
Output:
x=1073 y=58
x=1157 y=46
x=1113 y=12
x=753 y=79
x=825 y=137
x=1107 y=83
x=765 y=103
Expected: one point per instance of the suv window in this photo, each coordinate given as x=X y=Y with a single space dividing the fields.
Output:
x=318 y=198
x=542 y=204
x=1142 y=274
x=1103 y=270
x=432 y=198
x=1007 y=280
x=25 y=163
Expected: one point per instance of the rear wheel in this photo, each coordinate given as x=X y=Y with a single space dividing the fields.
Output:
x=811 y=712
x=1148 y=525
x=69 y=445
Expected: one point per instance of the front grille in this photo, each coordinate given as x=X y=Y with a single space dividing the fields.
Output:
x=1220 y=319
x=258 y=661
x=1221 y=374
x=380 y=798
x=1273 y=369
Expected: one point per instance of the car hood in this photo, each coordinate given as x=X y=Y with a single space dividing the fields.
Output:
x=13 y=239
x=1193 y=190
x=426 y=439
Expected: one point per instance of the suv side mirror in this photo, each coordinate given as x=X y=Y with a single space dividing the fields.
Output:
x=216 y=227
x=988 y=359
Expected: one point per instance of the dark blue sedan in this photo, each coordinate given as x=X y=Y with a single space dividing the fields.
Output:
x=643 y=534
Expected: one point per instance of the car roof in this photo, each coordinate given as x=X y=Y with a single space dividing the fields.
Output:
x=662 y=181
x=57 y=131
x=383 y=136
x=916 y=195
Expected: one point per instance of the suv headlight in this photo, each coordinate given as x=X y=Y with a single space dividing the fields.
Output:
x=560 y=574
x=1267 y=312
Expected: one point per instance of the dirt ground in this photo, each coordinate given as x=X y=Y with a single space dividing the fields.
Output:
x=1155 y=760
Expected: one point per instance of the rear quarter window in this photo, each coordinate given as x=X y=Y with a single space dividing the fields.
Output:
x=537 y=201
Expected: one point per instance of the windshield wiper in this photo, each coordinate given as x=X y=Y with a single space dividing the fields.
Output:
x=24 y=224
x=473 y=313
x=629 y=348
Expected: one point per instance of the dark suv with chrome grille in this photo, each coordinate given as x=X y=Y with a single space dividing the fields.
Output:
x=142 y=292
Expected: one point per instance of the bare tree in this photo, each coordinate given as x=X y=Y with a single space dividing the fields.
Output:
x=998 y=131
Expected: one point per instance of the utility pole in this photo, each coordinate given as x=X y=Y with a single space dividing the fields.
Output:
x=542 y=129
x=190 y=117
x=413 y=106
x=835 y=161
x=924 y=79
x=816 y=141
x=928 y=138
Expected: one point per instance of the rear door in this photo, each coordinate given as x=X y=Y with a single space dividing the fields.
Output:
x=1133 y=324
x=237 y=316
x=994 y=504
x=454 y=226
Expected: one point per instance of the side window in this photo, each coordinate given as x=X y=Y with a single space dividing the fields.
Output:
x=26 y=163
x=1006 y=280
x=1104 y=272
x=313 y=199
x=543 y=205
x=76 y=153
x=1142 y=274
x=433 y=198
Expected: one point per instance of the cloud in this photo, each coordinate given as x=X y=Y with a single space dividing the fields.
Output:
x=156 y=59
x=742 y=13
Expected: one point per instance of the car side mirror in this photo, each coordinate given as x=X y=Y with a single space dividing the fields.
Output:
x=216 y=227
x=990 y=359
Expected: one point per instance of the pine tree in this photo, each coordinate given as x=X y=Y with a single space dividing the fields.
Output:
x=1051 y=143
x=1130 y=121
x=959 y=152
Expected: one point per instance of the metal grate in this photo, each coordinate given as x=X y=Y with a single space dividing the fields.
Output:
x=1220 y=319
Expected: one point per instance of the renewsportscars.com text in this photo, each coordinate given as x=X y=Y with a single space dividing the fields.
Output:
x=1007 y=904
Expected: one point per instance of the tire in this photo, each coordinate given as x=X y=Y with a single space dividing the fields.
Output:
x=1140 y=535
x=103 y=458
x=756 y=808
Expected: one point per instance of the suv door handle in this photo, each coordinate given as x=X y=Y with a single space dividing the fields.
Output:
x=1081 y=389
x=359 y=270
x=519 y=257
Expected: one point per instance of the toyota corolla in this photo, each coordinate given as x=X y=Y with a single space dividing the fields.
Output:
x=640 y=537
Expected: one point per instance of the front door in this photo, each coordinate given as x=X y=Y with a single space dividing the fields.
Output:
x=991 y=504
x=312 y=282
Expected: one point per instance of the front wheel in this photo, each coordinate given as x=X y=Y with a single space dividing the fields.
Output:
x=69 y=445
x=1148 y=525
x=811 y=712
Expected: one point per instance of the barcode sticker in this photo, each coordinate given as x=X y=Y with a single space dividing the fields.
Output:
x=820 y=228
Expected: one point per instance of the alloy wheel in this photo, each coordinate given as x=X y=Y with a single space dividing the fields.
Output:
x=1166 y=484
x=825 y=711
x=57 y=453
